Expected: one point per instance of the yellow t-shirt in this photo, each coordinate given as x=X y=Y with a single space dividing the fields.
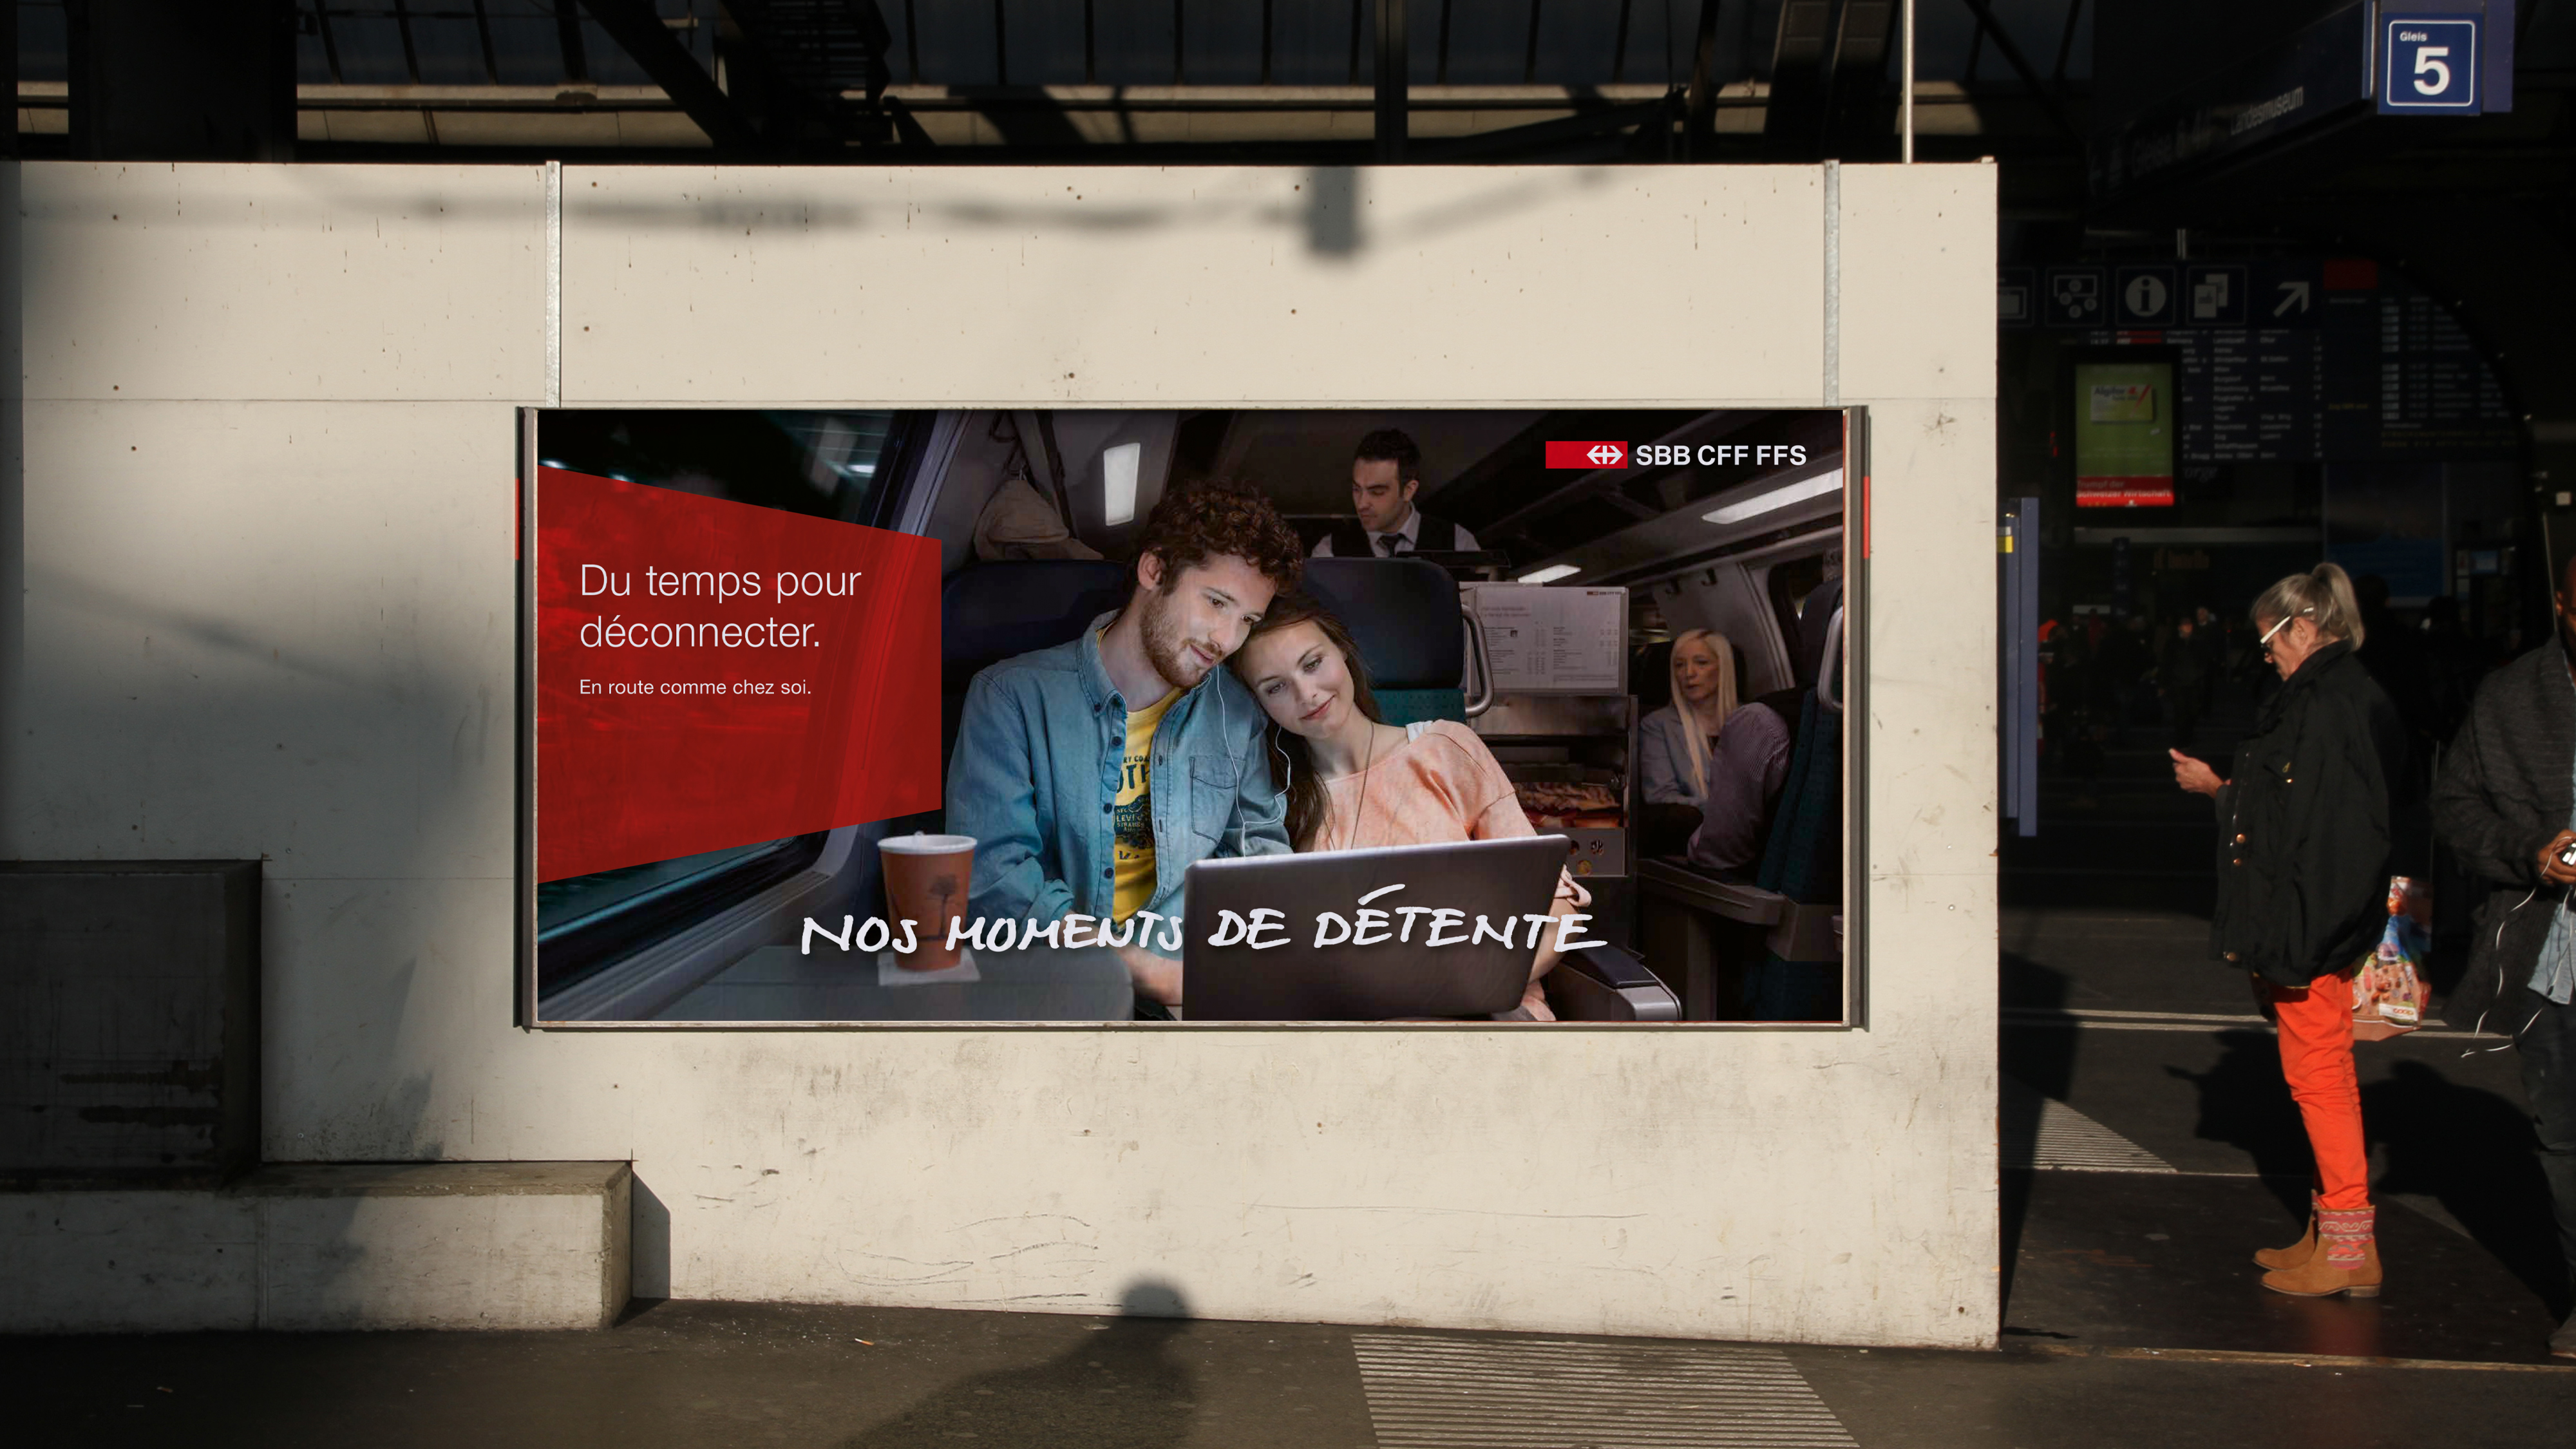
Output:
x=1134 y=817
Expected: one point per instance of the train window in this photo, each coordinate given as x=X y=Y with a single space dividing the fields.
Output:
x=821 y=464
x=1789 y=583
x=586 y=921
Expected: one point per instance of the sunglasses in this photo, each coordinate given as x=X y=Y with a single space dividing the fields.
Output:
x=2265 y=643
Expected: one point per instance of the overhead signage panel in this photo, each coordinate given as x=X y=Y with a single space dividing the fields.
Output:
x=2144 y=297
x=2214 y=296
x=2321 y=71
x=2428 y=65
x=2015 y=304
x=2074 y=297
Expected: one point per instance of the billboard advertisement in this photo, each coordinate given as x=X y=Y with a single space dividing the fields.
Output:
x=2124 y=434
x=1193 y=716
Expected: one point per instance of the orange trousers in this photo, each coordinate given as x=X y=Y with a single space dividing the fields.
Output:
x=2316 y=1059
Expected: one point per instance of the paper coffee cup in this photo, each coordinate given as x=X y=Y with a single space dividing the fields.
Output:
x=927 y=878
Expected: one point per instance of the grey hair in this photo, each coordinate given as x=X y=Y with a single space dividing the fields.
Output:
x=2322 y=596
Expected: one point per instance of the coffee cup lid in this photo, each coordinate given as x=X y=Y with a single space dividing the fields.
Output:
x=920 y=844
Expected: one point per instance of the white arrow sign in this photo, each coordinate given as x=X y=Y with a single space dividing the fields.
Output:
x=2294 y=298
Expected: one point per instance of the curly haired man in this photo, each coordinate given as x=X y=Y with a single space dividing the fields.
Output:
x=1094 y=773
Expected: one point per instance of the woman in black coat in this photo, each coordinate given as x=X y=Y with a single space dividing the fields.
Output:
x=2305 y=837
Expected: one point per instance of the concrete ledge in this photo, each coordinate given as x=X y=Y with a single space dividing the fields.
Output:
x=325 y=1246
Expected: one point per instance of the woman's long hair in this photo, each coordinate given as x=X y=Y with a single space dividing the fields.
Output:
x=1723 y=649
x=2323 y=596
x=1289 y=757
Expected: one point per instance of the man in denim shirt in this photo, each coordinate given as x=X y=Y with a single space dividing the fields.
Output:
x=1094 y=773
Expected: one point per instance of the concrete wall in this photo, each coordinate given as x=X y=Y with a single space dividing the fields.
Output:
x=268 y=533
x=439 y=1245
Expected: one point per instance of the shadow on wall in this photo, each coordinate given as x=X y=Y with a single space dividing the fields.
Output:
x=1331 y=211
x=1123 y=1387
x=648 y=1249
x=1328 y=207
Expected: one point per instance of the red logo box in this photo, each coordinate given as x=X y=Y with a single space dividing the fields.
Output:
x=1587 y=455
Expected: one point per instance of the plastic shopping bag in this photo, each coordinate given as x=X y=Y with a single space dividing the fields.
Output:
x=2389 y=995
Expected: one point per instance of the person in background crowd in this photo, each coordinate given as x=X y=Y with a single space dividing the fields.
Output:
x=2183 y=678
x=1352 y=780
x=2053 y=721
x=2304 y=857
x=1386 y=472
x=2209 y=637
x=2506 y=805
x=2458 y=656
x=2076 y=734
x=1093 y=773
x=2122 y=660
x=2398 y=659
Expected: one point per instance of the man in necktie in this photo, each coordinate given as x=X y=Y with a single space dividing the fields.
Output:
x=1386 y=471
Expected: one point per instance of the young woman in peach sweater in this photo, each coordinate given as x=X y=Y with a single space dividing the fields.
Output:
x=1354 y=780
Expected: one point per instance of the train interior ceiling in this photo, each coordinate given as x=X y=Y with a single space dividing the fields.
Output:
x=1037 y=513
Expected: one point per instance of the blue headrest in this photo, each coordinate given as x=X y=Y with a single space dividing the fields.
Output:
x=1815 y=620
x=992 y=611
x=1402 y=612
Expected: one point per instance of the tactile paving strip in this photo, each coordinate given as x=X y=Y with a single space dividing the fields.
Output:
x=1428 y=1392
x=2046 y=1134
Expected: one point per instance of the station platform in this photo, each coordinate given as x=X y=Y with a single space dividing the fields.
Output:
x=2149 y=1147
x=2151 y=1143
x=703 y=1375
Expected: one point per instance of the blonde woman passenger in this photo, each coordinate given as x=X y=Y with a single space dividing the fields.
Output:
x=1676 y=742
x=1355 y=781
x=1710 y=764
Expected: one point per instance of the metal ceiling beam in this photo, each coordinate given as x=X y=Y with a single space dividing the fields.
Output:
x=639 y=30
x=1394 y=109
x=1856 y=119
x=1511 y=141
x=2040 y=90
x=1701 y=113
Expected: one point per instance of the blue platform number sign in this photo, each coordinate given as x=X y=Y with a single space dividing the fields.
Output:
x=2429 y=65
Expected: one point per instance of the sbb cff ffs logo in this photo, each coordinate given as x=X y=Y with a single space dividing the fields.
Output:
x=1675 y=455
x=1587 y=455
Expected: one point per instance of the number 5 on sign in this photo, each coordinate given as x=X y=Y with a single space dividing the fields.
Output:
x=2429 y=65
x=2432 y=77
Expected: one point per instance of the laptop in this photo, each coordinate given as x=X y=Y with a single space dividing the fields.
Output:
x=1387 y=979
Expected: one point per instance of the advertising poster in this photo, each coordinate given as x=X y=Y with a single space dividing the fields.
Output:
x=2124 y=435
x=1189 y=716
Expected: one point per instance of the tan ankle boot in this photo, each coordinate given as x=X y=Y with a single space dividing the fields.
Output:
x=2346 y=1260
x=2297 y=1253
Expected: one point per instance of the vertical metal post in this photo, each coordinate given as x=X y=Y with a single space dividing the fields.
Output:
x=554 y=284
x=523 y=889
x=1833 y=378
x=1393 y=92
x=1905 y=85
x=2017 y=543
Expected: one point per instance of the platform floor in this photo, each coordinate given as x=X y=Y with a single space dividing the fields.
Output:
x=703 y=1375
x=2150 y=1147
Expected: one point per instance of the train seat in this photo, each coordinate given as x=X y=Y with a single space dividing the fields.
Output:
x=1394 y=608
x=989 y=612
x=1411 y=631
x=1766 y=945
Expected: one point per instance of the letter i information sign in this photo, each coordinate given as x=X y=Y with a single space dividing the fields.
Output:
x=2429 y=65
